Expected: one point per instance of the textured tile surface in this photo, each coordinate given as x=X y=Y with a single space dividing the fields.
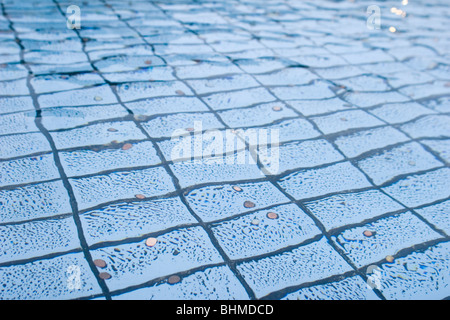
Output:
x=224 y=150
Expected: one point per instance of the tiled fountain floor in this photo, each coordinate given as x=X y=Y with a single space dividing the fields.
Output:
x=353 y=204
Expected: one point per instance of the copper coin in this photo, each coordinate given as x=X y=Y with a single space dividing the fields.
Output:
x=150 y=242
x=277 y=108
x=140 y=196
x=105 y=275
x=179 y=92
x=100 y=263
x=344 y=119
x=112 y=130
x=368 y=233
x=148 y=61
x=236 y=188
x=140 y=117
x=189 y=129
x=272 y=215
x=174 y=279
x=127 y=146
x=390 y=259
x=249 y=204
x=255 y=222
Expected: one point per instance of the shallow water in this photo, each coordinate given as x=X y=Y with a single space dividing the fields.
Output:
x=139 y=125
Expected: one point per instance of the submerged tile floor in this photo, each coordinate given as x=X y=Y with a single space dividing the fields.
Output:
x=357 y=207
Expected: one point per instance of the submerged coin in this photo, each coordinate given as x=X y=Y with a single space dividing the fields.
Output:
x=127 y=146
x=249 y=204
x=272 y=215
x=140 y=117
x=277 y=108
x=150 y=242
x=100 y=263
x=368 y=233
x=140 y=196
x=174 y=279
x=104 y=275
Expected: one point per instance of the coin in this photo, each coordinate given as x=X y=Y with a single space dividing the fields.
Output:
x=140 y=117
x=100 y=263
x=272 y=215
x=150 y=242
x=127 y=146
x=174 y=279
x=368 y=233
x=249 y=204
x=390 y=259
x=104 y=275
